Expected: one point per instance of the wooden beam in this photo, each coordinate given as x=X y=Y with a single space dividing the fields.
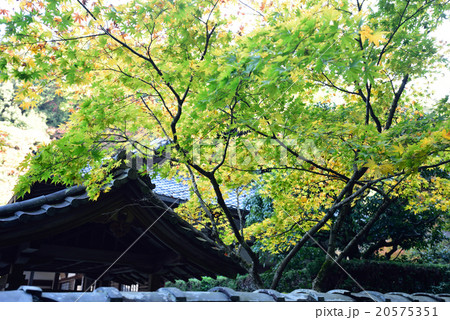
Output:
x=149 y=262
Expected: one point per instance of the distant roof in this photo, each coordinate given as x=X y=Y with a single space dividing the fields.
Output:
x=217 y=294
x=178 y=191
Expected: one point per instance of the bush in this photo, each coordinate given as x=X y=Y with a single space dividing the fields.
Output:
x=371 y=275
x=207 y=283
x=299 y=274
x=387 y=276
x=436 y=254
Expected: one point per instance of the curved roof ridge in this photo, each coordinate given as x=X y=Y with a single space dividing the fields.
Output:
x=39 y=201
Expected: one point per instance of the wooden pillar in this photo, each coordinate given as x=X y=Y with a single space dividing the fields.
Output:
x=154 y=282
x=100 y=283
x=87 y=283
x=3 y=282
x=82 y=282
x=55 y=284
x=30 y=280
x=16 y=277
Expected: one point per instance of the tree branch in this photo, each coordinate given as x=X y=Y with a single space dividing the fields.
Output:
x=205 y=207
x=126 y=46
x=332 y=85
x=253 y=9
x=156 y=118
x=369 y=109
x=394 y=104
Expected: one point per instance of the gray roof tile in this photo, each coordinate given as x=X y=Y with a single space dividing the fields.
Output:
x=107 y=294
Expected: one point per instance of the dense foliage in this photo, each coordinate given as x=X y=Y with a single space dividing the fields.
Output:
x=311 y=101
x=396 y=230
x=379 y=276
x=391 y=276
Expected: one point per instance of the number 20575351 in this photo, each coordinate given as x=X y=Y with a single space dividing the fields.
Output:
x=414 y=311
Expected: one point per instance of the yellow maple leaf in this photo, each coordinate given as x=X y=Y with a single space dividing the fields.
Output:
x=399 y=149
x=371 y=36
x=386 y=168
x=371 y=164
x=365 y=32
x=446 y=134
x=28 y=104
x=294 y=76
x=31 y=63
x=377 y=37
x=426 y=142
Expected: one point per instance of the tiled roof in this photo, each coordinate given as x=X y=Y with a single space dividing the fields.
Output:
x=173 y=246
x=218 y=294
x=178 y=191
x=48 y=205
x=171 y=188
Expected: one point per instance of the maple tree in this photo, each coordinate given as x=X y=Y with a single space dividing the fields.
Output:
x=310 y=103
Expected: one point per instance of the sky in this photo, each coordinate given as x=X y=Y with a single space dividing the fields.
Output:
x=442 y=84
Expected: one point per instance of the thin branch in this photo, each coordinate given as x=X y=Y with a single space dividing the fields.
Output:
x=251 y=8
x=146 y=82
x=156 y=118
x=318 y=166
x=126 y=46
x=211 y=12
x=339 y=202
x=422 y=168
x=332 y=85
x=359 y=5
x=55 y=40
x=383 y=50
x=227 y=144
x=391 y=82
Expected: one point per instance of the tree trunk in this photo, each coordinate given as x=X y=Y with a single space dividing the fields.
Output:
x=321 y=281
x=360 y=235
x=340 y=201
x=331 y=252
x=255 y=265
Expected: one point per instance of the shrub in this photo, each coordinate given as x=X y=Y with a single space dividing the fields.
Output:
x=386 y=276
x=371 y=275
